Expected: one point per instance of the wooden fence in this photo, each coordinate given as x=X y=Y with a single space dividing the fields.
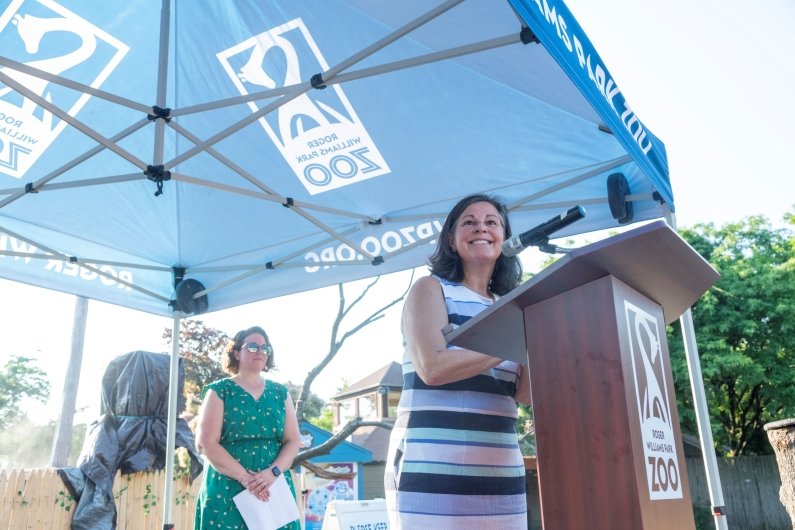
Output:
x=750 y=487
x=37 y=499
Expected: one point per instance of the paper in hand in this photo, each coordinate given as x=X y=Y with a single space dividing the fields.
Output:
x=274 y=513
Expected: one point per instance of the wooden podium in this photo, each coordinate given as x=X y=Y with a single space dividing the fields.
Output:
x=608 y=442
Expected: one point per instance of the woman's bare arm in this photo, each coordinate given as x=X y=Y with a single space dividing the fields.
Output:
x=424 y=316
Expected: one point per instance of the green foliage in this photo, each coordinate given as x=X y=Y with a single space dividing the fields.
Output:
x=183 y=497
x=22 y=500
x=202 y=349
x=745 y=328
x=703 y=516
x=313 y=407
x=325 y=420
x=26 y=445
x=19 y=379
x=150 y=499
x=181 y=463
x=525 y=429
x=64 y=500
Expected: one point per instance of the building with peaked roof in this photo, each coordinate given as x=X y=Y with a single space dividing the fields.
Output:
x=374 y=397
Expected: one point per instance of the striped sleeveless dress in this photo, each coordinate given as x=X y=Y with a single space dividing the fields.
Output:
x=454 y=459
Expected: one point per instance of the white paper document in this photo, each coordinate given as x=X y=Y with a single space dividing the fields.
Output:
x=274 y=513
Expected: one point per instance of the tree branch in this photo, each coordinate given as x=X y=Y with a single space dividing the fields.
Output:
x=339 y=437
x=336 y=345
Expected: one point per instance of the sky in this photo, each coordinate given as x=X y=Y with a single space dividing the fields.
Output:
x=713 y=80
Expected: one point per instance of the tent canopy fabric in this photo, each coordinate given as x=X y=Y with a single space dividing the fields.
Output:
x=266 y=148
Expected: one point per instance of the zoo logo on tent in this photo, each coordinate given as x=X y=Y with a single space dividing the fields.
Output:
x=41 y=34
x=654 y=408
x=318 y=133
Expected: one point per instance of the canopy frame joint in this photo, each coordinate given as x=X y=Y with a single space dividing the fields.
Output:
x=160 y=113
x=158 y=175
x=317 y=81
x=527 y=36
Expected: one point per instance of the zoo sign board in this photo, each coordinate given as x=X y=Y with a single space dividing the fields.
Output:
x=654 y=408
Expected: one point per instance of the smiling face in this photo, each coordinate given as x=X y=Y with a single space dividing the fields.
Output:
x=478 y=233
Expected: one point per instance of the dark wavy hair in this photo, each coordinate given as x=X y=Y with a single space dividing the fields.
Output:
x=446 y=263
x=231 y=364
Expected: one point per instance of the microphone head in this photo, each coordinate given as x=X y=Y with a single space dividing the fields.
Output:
x=512 y=246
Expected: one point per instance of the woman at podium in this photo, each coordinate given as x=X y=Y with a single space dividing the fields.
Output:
x=454 y=459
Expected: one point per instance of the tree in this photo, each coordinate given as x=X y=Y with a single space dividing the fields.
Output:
x=201 y=349
x=336 y=342
x=26 y=445
x=314 y=404
x=325 y=420
x=338 y=337
x=19 y=379
x=745 y=326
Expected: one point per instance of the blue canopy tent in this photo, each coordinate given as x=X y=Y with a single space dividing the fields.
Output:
x=194 y=156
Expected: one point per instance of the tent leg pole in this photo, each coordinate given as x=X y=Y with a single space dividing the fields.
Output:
x=702 y=412
x=702 y=417
x=171 y=430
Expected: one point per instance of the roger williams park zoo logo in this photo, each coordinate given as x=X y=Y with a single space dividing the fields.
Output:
x=654 y=407
x=46 y=36
x=318 y=132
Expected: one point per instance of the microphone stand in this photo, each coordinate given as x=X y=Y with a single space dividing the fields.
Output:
x=545 y=246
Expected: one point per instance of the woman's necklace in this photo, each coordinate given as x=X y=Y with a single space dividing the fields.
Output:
x=486 y=293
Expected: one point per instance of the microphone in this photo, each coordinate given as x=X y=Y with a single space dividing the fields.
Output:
x=540 y=234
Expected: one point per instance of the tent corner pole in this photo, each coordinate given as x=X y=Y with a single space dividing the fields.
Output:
x=171 y=430
x=702 y=412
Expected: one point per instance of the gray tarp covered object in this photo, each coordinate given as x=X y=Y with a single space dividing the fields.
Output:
x=130 y=436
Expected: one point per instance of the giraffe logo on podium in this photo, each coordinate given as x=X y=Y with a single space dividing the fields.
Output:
x=44 y=35
x=317 y=132
x=654 y=407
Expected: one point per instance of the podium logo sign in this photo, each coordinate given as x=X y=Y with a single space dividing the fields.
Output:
x=317 y=132
x=654 y=407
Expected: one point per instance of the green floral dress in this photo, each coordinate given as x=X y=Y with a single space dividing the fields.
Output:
x=252 y=433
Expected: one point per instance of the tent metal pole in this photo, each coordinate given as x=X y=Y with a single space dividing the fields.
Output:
x=702 y=413
x=40 y=183
x=171 y=430
x=162 y=80
x=616 y=162
x=77 y=124
x=90 y=182
x=173 y=385
x=420 y=60
x=79 y=87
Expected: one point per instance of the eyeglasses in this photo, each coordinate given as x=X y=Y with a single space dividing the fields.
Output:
x=253 y=347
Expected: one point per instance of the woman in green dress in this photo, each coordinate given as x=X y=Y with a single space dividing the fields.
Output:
x=248 y=432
